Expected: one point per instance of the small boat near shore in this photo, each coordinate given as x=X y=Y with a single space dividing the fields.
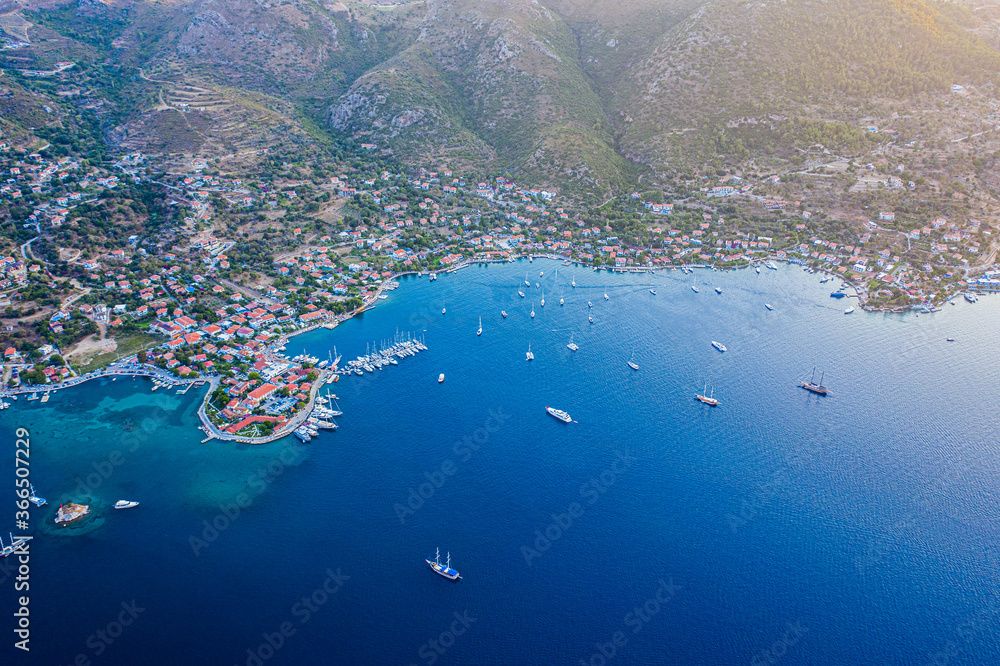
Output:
x=34 y=498
x=849 y=310
x=16 y=543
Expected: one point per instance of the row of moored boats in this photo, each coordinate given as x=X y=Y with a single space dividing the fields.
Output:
x=385 y=356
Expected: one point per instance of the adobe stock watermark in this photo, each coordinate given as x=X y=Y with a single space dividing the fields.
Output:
x=435 y=648
x=965 y=632
x=591 y=491
x=301 y=611
x=922 y=504
x=257 y=483
x=751 y=506
x=637 y=618
x=463 y=449
x=105 y=636
x=779 y=648
x=427 y=313
x=129 y=441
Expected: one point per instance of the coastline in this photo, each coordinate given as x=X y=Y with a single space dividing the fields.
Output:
x=332 y=322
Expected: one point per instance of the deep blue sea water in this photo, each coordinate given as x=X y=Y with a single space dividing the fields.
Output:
x=867 y=521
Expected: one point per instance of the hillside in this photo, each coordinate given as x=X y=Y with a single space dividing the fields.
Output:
x=585 y=96
x=736 y=77
x=495 y=86
x=573 y=92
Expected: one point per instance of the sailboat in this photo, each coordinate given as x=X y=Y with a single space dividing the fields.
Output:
x=480 y=331
x=532 y=310
x=707 y=399
x=606 y=296
x=541 y=273
x=694 y=289
x=631 y=362
x=529 y=356
x=527 y=283
x=562 y=301
x=34 y=498
x=574 y=283
x=504 y=313
x=443 y=310
x=572 y=345
x=520 y=293
x=543 y=299
x=812 y=386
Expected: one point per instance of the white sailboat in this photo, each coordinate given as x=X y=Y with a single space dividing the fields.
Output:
x=529 y=356
x=480 y=331
x=443 y=569
x=532 y=310
x=572 y=345
x=631 y=362
x=543 y=299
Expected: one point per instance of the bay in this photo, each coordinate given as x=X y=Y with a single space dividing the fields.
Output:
x=867 y=520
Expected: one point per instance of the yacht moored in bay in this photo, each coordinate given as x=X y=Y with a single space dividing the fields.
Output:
x=559 y=414
x=443 y=569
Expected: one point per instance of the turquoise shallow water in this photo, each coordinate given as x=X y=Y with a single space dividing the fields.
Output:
x=867 y=519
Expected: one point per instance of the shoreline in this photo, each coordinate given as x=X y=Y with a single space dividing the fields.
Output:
x=213 y=432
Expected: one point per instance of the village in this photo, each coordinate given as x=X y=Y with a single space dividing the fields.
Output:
x=186 y=308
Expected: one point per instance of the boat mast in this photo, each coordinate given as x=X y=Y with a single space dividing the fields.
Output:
x=813 y=376
x=823 y=374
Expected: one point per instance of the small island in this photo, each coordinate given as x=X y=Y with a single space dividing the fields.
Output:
x=70 y=513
